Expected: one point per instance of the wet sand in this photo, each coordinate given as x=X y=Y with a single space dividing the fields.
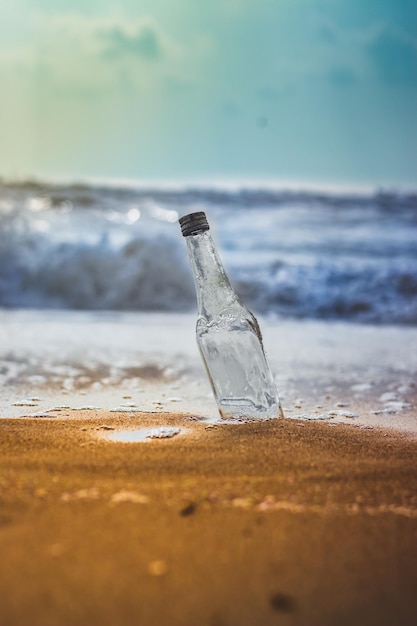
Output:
x=283 y=522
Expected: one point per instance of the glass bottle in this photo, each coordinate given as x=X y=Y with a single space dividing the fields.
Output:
x=228 y=334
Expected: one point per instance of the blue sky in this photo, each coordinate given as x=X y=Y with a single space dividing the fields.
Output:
x=321 y=91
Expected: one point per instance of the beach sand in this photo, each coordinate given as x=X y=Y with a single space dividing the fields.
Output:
x=310 y=520
x=281 y=522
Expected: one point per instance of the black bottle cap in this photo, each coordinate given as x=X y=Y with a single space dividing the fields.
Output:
x=194 y=223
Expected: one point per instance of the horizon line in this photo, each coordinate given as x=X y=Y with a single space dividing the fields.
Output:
x=214 y=183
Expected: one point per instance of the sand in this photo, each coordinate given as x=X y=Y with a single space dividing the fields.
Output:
x=311 y=520
x=282 y=522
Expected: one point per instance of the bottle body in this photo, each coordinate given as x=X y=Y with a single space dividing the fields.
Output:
x=234 y=358
x=229 y=339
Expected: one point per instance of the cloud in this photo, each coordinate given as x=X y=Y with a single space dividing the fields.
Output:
x=143 y=42
x=77 y=56
x=394 y=56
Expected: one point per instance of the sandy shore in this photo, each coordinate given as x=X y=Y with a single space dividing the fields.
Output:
x=311 y=520
x=284 y=522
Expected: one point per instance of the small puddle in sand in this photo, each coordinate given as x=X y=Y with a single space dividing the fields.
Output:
x=145 y=434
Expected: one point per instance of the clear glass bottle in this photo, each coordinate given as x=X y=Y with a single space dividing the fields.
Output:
x=228 y=334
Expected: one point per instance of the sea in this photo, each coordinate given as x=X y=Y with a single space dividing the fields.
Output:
x=292 y=253
x=98 y=307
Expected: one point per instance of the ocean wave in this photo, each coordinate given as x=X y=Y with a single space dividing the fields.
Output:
x=140 y=275
x=336 y=291
x=291 y=253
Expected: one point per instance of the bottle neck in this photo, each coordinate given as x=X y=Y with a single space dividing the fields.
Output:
x=213 y=289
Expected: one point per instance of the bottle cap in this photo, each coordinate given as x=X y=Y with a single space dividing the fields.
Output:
x=194 y=223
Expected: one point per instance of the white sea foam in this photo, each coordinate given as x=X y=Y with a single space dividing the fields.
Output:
x=144 y=434
x=157 y=358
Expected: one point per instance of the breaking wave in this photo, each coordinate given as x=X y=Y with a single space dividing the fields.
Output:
x=292 y=253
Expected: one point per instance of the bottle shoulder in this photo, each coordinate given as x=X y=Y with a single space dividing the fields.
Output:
x=234 y=317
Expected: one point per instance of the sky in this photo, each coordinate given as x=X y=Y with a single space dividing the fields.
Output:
x=321 y=91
